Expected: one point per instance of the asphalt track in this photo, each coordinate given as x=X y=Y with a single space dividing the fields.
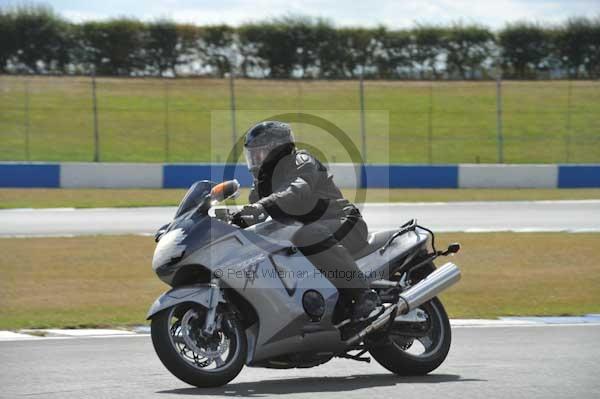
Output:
x=571 y=216
x=486 y=362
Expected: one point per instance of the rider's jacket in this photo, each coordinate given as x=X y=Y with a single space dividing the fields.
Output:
x=299 y=187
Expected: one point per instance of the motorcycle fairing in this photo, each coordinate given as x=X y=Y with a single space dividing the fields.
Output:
x=186 y=235
x=250 y=264
x=249 y=269
x=196 y=293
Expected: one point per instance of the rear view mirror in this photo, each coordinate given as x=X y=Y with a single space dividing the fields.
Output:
x=452 y=249
x=227 y=189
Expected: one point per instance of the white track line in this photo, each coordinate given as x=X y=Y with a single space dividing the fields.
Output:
x=143 y=331
x=467 y=203
x=83 y=332
x=468 y=230
x=13 y=336
x=370 y=204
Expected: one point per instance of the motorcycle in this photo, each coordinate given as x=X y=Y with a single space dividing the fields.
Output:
x=249 y=297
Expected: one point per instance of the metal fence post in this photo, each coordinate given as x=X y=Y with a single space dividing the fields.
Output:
x=298 y=130
x=95 y=111
x=363 y=133
x=430 y=124
x=232 y=104
x=500 y=136
x=166 y=120
x=26 y=121
x=568 y=127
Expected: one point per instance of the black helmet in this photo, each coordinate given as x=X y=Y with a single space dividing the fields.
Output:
x=267 y=139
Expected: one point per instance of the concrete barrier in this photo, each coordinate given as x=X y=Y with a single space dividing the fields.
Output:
x=111 y=175
x=507 y=176
x=346 y=175
x=183 y=175
x=131 y=175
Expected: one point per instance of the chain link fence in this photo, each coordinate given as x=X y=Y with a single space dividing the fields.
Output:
x=169 y=120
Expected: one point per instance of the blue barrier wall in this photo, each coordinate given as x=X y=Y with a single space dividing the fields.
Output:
x=14 y=174
x=410 y=176
x=578 y=176
x=183 y=176
x=29 y=175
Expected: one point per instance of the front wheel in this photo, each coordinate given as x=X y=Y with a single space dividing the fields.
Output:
x=414 y=348
x=191 y=355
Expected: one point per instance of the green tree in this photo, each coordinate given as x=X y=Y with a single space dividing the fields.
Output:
x=578 y=44
x=251 y=64
x=8 y=47
x=161 y=47
x=115 y=47
x=216 y=47
x=329 y=52
x=428 y=49
x=525 y=49
x=33 y=39
x=394 y=54
x=359 y=46
x=467 y=49
x=270 y=48
x=40 y=39
x=188 y=36
x=302 y=37
x=593 y=60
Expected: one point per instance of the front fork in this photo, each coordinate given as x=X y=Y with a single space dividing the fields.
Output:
x=211 y=321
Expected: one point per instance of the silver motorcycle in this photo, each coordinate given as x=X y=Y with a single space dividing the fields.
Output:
x=249 y=297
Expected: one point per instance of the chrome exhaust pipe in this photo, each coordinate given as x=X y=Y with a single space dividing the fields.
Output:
x=428 y=288
x=425 y=290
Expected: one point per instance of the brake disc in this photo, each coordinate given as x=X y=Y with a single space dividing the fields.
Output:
x=200 y=345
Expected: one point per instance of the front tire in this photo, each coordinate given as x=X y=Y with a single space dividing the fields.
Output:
x=393 y=351
x=186 y=358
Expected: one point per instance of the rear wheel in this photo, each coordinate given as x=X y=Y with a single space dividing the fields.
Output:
x=194 y=357
x=414 y=348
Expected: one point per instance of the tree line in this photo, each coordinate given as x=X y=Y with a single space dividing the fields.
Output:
x=35 y=40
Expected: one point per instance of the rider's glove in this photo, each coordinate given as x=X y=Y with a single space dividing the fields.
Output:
x=249 y=215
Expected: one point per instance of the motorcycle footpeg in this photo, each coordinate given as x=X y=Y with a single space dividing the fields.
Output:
x=359 y=358
x=378 y=311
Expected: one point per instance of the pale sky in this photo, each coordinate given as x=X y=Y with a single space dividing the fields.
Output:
x=391 y=13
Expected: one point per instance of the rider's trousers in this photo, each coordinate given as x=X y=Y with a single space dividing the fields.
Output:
x=327 y=244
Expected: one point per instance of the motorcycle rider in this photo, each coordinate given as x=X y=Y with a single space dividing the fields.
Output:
x=292 y=184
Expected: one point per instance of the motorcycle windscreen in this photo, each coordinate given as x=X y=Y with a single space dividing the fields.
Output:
x=194 y=196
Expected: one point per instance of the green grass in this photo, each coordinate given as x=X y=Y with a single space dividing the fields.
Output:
x=542 y=123
x=97 y=198
x=108 y=281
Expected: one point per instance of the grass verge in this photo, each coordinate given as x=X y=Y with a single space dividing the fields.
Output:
x=93 y=198
x=188 y=120
x=108 y=281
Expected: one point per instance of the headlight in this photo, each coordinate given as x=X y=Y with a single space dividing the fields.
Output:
x=169 y=248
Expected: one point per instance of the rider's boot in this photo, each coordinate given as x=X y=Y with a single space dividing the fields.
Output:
x=365 y=303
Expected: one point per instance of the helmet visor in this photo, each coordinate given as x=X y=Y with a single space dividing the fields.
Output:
x=255 y=156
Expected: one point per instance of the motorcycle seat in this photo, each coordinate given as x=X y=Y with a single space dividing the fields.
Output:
x=374 y=242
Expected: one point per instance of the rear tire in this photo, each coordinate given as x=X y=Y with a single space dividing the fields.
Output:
x=386 y=351
x=186 y=371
